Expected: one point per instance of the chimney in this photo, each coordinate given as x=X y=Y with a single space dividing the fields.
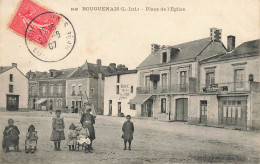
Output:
x=231 y=43
x=215 y=34
x=155 y=47
x=99 y=62
x=14 y=64
x=112 y=66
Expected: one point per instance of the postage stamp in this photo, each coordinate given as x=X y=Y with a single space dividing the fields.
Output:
x=61 y=41
x=44 y=26
x=49 y=36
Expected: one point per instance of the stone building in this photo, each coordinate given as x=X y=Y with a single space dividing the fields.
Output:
x=170 y=73
x=120 y=88
x=13 y=88
x=229 y=92
x=86 y=84
x=51 y=89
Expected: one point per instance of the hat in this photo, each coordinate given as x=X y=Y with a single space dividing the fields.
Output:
x=72 y=126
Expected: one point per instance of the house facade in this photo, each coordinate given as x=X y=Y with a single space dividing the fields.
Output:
x=13 y=89
x=51 y=89
x=229 y=90
x=120 y=88
x=33 y=86
x=86 y=84
x=170 y=73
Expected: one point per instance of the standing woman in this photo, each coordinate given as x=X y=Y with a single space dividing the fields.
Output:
x=89 y=117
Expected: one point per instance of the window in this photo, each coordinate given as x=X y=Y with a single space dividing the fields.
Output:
x=239 y=78
x=51 y=89
x=73 y=90
x=183 y=77
x=32 y=89
x=163 y=105
x=11 y=78
x=147 y=81
x=164 y=80
x=118 y=79
x=117 y=89
x=210 y=78
x=59 y=103
x=132 y=89
x=60 y=88
x=80 y=92
x=11 y=88
x=43 y=89
x=72 y=103
x=51 y=74
x=164 y=57
x=92 y=91
x=132 y=106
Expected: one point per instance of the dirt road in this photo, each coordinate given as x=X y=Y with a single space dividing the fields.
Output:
x=154 y=142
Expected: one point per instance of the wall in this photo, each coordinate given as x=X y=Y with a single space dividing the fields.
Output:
x=55 y=96
x=255 y=106
x=20 y=83
x=110 y=94
x=194 y=109
x=224 y=71
x=84 y=83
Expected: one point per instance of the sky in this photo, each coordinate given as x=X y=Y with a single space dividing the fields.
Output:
x=126 y=37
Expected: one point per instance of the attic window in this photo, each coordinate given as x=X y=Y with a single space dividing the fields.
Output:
x=164 y=57
x=51 y=74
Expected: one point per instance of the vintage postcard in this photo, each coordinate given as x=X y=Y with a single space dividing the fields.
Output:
x=129 y=81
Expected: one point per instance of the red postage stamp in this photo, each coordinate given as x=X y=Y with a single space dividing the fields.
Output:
x=27 y=21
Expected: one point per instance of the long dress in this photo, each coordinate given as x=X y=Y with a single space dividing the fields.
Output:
x=11 y=136
x=31 y=139
x=89 y=117
x=72 y=137
x=57 y=129
x=128 y=130
x=83 y=136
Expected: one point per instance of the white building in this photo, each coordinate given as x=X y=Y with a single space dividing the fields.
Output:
x=120 y=88
x=13 y=88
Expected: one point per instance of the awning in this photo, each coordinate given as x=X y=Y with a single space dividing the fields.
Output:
x=140 y=99
x=154 y=77
x=40 y=101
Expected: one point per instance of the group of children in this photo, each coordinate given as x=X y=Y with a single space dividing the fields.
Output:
x=77 y=136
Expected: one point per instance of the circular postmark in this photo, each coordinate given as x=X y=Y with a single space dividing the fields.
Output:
x=50 y=37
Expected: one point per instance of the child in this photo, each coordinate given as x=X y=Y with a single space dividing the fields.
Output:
x=83 y=137
x=57 y=130
x=128 y=130
x=72 y=137
x=31 y=140
x=11 y=136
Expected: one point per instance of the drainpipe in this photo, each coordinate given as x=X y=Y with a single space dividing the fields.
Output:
x=170 y=97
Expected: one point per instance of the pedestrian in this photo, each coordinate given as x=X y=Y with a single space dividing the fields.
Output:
x=31 y=140
x=72 y=137
x=57 y=130
x=128 y=130
x=72 y=109
x=11 y=136
x=66 y=109
x=76 y=109
x=89 y=117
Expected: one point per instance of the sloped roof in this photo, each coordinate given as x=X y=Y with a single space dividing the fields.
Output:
x=122 y=72
x=60 y=74
x=4 y=69
x=188 y=50
x=246 y=49
x=90 y=70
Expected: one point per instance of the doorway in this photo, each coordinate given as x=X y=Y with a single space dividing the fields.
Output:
x=182 y=109
x=119 y=108
x=110 y=107
x=12 y=103
x=203 y=112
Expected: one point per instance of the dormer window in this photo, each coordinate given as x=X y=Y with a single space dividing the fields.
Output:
x=52 y=74
x=164 y=57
